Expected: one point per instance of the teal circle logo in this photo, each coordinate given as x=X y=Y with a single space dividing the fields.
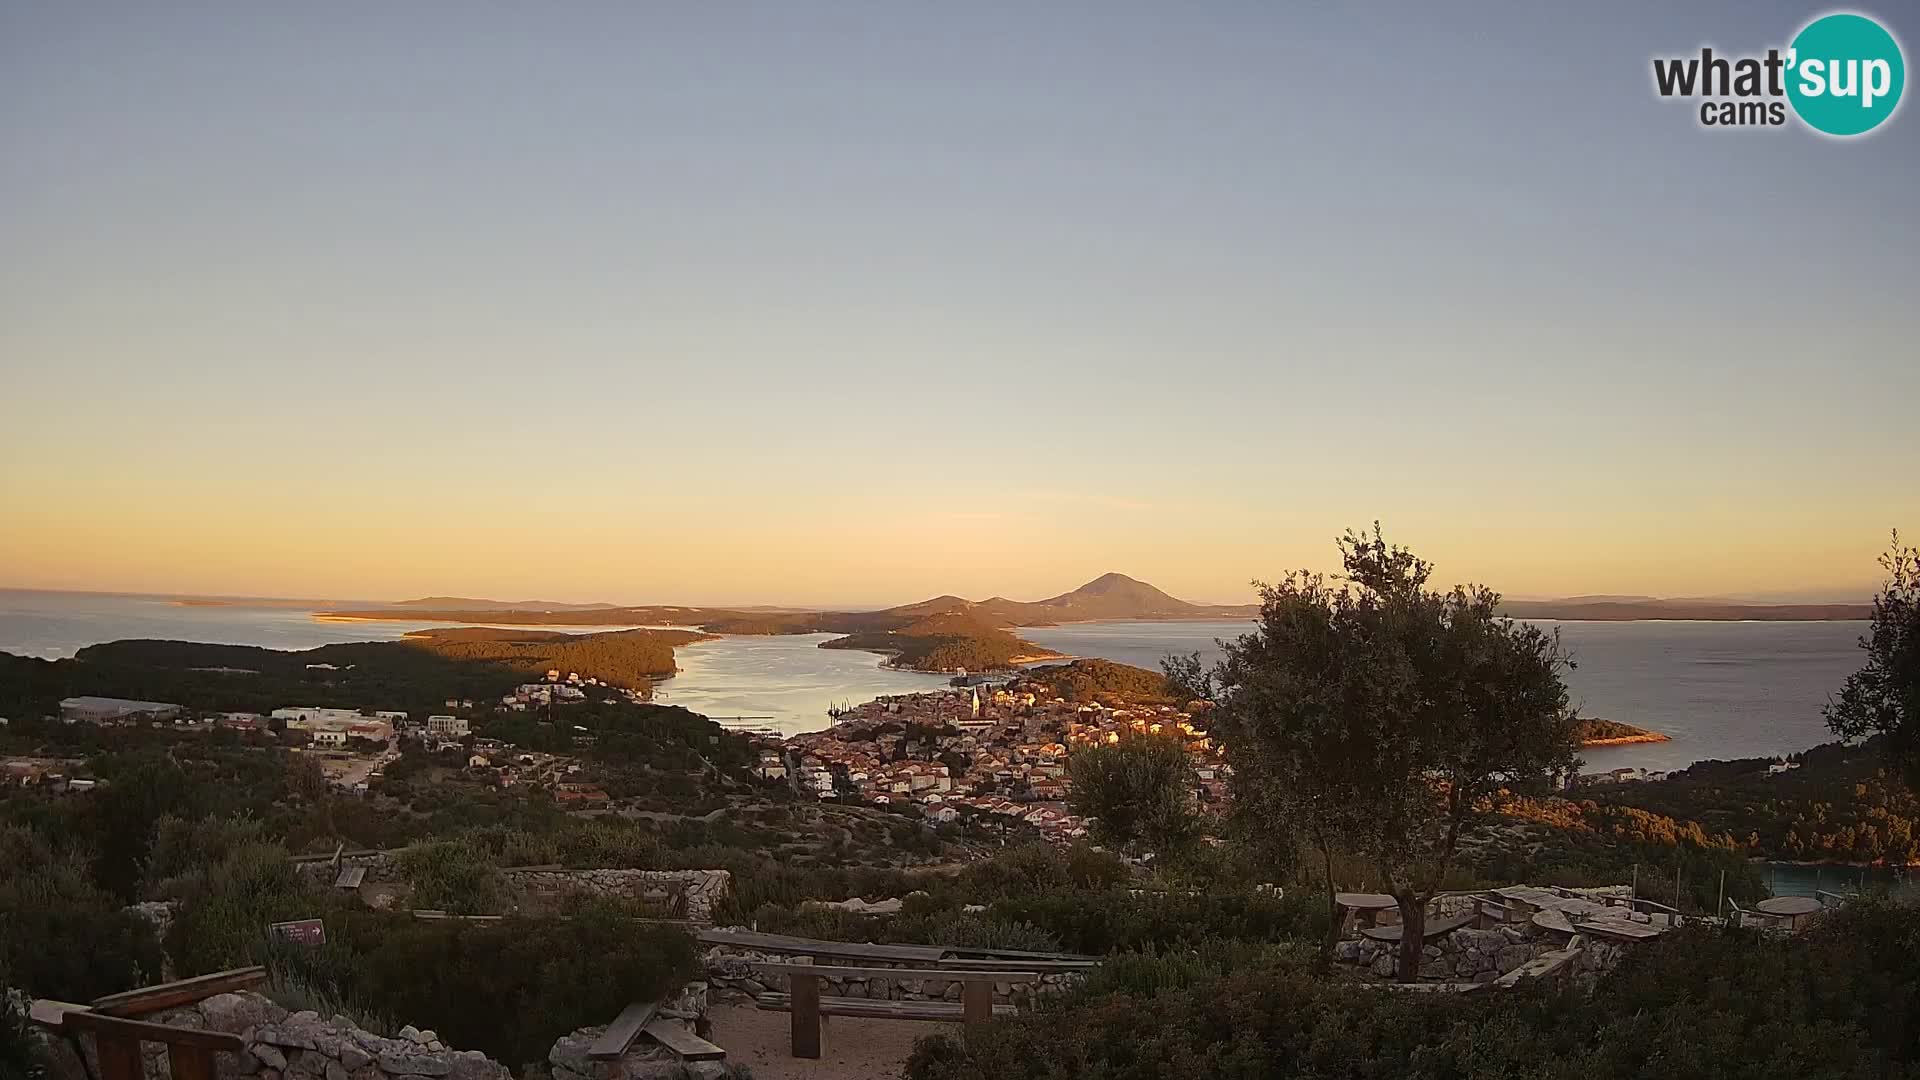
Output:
x=1845 y=74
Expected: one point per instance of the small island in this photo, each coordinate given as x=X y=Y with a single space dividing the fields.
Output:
x=1595 y=732
x=947 y=642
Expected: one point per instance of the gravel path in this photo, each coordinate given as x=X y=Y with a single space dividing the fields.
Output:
x=856 y=1048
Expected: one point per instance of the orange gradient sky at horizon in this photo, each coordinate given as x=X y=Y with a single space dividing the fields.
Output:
x=848 y=304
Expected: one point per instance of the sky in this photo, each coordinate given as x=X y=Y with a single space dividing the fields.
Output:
x=861 y=302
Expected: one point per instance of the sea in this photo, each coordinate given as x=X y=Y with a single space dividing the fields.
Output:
x=1717 y=689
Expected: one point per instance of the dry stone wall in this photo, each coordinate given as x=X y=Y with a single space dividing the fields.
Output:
x=732 y=975
x=703 y=890
x=284 y=1045
x=1465 y=955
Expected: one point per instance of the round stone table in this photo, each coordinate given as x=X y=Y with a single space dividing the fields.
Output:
x=1366 y=906
x=1790 y=908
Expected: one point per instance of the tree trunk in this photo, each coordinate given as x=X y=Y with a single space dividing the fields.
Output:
x=1413 y=936
x=1333 y=914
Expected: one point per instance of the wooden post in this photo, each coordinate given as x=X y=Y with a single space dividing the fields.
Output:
x=1636 y=883
x=804 y=990
x=119 y=1057
x=976 y=1002
x=190 y=1062
x=1676 y=888
x=1720 y=905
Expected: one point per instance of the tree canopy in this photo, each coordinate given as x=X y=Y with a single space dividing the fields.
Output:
x=1883 y=698
x=1137 y=791
x=1378 y=715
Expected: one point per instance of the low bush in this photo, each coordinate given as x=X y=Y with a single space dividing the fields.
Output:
x=1115 y=919
x=20 y=1057
x=1841 y=1002
x=971 y=931
x=62 y=936
x=454 y=875
x=509 y=988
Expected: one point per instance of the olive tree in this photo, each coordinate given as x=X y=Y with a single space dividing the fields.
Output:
x=1375 y=715
x=1883 y=698
x=1138 y=790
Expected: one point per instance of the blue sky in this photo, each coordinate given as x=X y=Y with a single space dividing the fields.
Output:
x=797 y=302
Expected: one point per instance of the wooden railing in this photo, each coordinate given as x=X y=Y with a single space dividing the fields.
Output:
x=117 y=1036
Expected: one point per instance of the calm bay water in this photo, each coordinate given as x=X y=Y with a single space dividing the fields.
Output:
x=786 y=683
x=1720 y=689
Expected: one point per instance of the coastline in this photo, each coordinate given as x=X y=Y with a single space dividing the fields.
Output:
x=1627 y=740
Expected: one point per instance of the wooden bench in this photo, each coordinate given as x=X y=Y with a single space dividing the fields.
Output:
x=804 y=1002
x=117 y=1037
x=638 y=1019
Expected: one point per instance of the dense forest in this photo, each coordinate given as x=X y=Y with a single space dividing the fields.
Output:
x=1100 y=680
x=625 y=658
x=416 y=673
x=383 y=674
x=1839 y=805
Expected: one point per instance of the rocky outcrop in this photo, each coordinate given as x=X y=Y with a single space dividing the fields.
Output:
x=297 y=1046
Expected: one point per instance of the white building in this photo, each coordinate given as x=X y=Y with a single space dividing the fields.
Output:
x=451 y=727
x=330 y=738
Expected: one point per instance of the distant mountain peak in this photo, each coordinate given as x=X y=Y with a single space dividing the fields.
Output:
x=1114 y=582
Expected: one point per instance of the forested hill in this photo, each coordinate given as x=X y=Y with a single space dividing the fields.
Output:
x=416 y=673
x=948 y=641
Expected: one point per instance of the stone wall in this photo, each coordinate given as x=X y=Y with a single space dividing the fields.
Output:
x=295 y=1046
x=1470 y=955
x=703 y=890
x=1466 y=955
x=732 y=976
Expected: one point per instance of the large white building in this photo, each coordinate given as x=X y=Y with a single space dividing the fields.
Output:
x=106 y=710
x=347 y=723
x=451 y=727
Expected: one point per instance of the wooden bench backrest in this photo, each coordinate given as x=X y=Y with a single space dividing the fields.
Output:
x=833 y=971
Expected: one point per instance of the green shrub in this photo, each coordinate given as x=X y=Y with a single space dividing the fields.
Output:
x=1150 y=971
x=971 y=931
x=454 y=875
x=508 y=988
x=830 y=924
x=61 y=936
x=1038 y=867
x=20 y=1056
x=226 y=907
x=1841 y=1001
x=1102 y=922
